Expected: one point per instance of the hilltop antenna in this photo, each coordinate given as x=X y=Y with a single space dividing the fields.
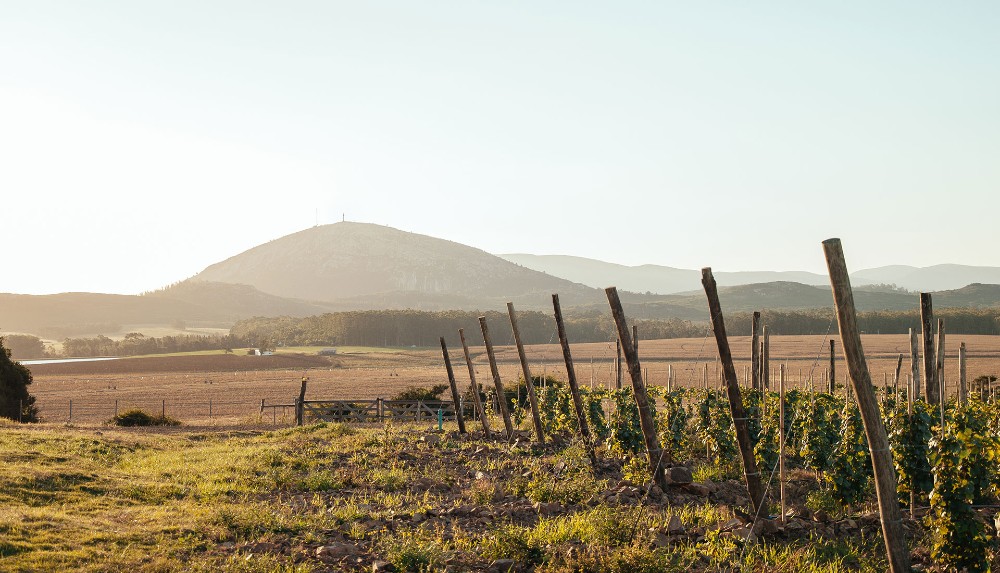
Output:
x=343 y=217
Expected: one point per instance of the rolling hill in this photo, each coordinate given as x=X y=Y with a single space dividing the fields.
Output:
x=355 y=266
x=669 y=280
x=371 y=266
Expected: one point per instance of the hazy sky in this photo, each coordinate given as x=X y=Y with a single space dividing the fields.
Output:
x=143 y=141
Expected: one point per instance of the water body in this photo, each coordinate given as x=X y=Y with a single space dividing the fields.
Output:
x=62 y=360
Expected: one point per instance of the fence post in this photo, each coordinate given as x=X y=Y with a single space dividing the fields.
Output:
x=497 y=383
x=209 y=409
x=930 y=376
x=474 y=386
x=574 y=387
x=261 y=406
x=300 y=403
x=750 y=473
x=71 y=411
x=532 y=399
x=454 y=389
x=653 y=450
x=878 y=443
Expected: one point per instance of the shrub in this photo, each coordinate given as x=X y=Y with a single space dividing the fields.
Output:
x=15 y=402
x=139 y=417
x=422 y=394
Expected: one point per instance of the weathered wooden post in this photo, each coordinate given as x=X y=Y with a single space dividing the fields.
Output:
x=878 y=443
x=895 y=377
x=300 y=403
x=455 y=396
x=497 y=383
x=474 y=386
x=653 y=450
x=781 y=437
x=914 y=386
x=926 y=322
x=574 y=387
x=939 y=371
x=765 y=360
x=755 y=350
x=911 y=391
x=750 y=473
x=635 y=338
x=833 y=367
x=535 y=416
x=963 y=396
x=618 y=364
x=939 y=364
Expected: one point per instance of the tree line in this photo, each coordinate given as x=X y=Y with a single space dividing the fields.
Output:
x=399 y=328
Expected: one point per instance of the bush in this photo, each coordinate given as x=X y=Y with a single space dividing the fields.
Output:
x=15 y=402
x=139 y=417
x=422 y=394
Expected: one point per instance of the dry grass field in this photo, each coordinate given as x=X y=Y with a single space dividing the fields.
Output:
x=227 y=389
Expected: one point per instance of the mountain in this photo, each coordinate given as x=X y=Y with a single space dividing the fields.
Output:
x=371 y=266
x=670 y=280
x=928 y=279
x=355 y=266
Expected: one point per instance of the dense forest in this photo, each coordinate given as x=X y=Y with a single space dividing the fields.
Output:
x=419 y=328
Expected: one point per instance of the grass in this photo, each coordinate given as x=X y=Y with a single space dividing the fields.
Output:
x=130 y=500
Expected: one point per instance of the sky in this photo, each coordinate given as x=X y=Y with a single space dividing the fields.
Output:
x=143 y=141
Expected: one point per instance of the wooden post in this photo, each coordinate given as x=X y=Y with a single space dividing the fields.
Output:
x=765 y=361
x=574 y=387
x=895 y=377
x=475 y=386
x=781 y=437
x=939 y=371
x=754 y=350
x=914 y=386
x=455 y=396
x=618 y=364
x=833 y=367
x=750 y=473
x=878 y=443
x=497 y=383
x=261 y=406
x=300 y=403
x=930 y=376
x=963 y=396
x=535 y=416
x=939 y=365
x=911 y=391
x=705 y=377
x=163 y=408
x=653 y=450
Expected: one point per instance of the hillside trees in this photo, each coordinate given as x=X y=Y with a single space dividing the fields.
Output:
x=24 y=346
x=15 y=402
